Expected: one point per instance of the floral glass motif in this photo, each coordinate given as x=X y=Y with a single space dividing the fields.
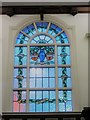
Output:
x=42 y=55
x=42 y=50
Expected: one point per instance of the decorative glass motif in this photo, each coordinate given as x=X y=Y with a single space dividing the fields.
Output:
x=19 y=78
x=54 y=29
x=42 y=39
x=29 y=30
x=20 y=56
x=64 y=77
x=65 y=100
x=42 y=26
x=42 y=101
x=42 y=55
x=42 y=51
x=64 y=55
x=21 y=39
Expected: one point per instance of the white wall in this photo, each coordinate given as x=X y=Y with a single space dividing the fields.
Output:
x=80 y=23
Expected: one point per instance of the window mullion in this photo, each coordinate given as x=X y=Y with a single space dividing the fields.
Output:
x=27 y=81
x=56 y=76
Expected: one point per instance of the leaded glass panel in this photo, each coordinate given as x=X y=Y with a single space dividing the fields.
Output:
x=30 y=30
x=20 y=56
x=42 y=39
x=42 y=26
x=22 y=39
x=54 y=29
x=42 y=101
x=42 y=78
x=65 y=100
x=40 y=55
x=42 y=69
x=64 y=55
x=62 y=38
x=20 y=78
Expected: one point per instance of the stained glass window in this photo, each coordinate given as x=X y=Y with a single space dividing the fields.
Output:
x=42 y=69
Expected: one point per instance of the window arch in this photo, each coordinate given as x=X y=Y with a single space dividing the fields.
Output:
x=42 y=69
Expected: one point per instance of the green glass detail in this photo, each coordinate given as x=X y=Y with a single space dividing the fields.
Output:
x=65 y=95
x=64 y=77
x=63 y=52
x=40 y=101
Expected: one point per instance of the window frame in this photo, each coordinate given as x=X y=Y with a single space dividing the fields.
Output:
x=69 y=30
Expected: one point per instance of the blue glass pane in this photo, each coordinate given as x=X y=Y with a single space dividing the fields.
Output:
x=32 y=94
x=69 y=95
x=46 y=107
x=40 y=55
x=38 y=105
x=29 y=30
x=38 y=82
x=42 y=26
x=32 y=104
x=32 y=72
x=45 y=72
x=23 y=94
x=51 y=72
x=38 y=72
x=61 y=107
x=69 y=106
x=21 y=39
x=45 y=82
x=32 y=83
x=32 y=107
x=52 y=82
x=53 y=104
x=45 y=94
x=42 y=39
x=64 y=35
x=69 y=82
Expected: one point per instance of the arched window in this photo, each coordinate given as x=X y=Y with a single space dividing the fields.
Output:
x=42 y=69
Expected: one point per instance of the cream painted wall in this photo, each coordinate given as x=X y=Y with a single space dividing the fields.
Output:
x=80 y=23
x=0 y=64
